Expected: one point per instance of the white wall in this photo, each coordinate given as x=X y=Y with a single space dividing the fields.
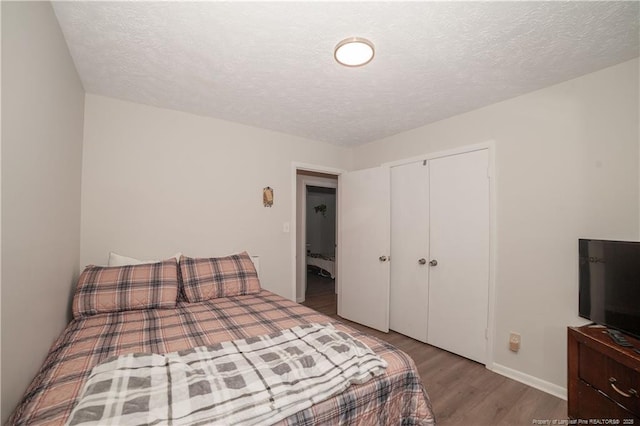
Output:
x=42 y=116
x=566 y=167
x=157 y=181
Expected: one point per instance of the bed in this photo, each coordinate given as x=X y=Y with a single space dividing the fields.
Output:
x=397 y=396
x=324 y=262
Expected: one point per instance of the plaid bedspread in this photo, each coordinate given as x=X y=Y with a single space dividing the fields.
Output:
x=259 y=380
x=395 y=397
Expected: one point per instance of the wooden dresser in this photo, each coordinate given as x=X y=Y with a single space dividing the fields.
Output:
x=604 y=377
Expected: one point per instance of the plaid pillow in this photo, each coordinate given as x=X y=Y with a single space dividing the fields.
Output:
x=210 y=278
x=121 y=288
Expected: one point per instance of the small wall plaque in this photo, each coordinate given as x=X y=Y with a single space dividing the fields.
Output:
x=267 y=196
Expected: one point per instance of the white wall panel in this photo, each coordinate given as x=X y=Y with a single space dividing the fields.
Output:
x=158 y=181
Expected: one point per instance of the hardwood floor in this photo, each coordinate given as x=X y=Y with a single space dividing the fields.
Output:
x=462 y=392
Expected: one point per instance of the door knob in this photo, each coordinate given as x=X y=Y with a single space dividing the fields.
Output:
x=422 y=261
x=382 y=258
x=433 y=262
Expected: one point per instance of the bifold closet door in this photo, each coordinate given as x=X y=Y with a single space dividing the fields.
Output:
x=459 y=243
x=408 y=298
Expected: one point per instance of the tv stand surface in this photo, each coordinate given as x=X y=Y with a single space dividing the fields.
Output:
x=603 y=377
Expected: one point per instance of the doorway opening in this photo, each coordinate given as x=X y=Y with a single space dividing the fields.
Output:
x=316 y=233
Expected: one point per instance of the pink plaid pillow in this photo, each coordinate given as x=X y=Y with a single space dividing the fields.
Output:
x=103 y=289
x=210 y=278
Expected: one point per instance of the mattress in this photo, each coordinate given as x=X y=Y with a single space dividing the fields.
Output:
x=395 y=397
x=326 y=263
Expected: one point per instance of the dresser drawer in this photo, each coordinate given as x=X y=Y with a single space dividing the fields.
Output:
x=607 y=375
x=594 y=405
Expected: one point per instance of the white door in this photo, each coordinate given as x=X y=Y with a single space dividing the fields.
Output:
x=409 y=285
x=459 y=243
x=364 y=247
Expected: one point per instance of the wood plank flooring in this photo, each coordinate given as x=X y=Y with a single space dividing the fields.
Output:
x=462 y=392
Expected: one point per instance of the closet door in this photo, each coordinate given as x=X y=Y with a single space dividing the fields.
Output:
x=459 y=243
x=409 y=250
x=364 y=247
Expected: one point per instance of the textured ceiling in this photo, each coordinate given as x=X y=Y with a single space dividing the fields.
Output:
x=270 y=64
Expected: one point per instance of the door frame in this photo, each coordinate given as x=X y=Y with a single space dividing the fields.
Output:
x=302 y=253
x=489 y=145
x=295 y=167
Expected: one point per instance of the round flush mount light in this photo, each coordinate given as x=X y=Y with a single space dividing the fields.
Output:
x=354 y=52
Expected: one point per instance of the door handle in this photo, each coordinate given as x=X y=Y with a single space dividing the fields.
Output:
x=422 y=261
x=383 y=258
x=433 y=262
x=632 y=392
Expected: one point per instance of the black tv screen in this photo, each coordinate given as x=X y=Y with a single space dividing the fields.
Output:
x=609 y=278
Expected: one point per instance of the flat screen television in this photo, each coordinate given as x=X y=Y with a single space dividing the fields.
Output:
x=609 y=276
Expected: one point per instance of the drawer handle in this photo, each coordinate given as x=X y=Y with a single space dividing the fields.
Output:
x=632 y=392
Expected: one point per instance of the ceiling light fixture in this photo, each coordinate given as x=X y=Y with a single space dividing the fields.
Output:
x=354 y=52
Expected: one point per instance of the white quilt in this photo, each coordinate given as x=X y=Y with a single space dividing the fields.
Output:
x=259 y=380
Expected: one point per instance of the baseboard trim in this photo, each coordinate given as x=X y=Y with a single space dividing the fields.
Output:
x=529 y=380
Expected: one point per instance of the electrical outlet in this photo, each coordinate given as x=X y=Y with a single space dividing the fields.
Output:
x=514 y=342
